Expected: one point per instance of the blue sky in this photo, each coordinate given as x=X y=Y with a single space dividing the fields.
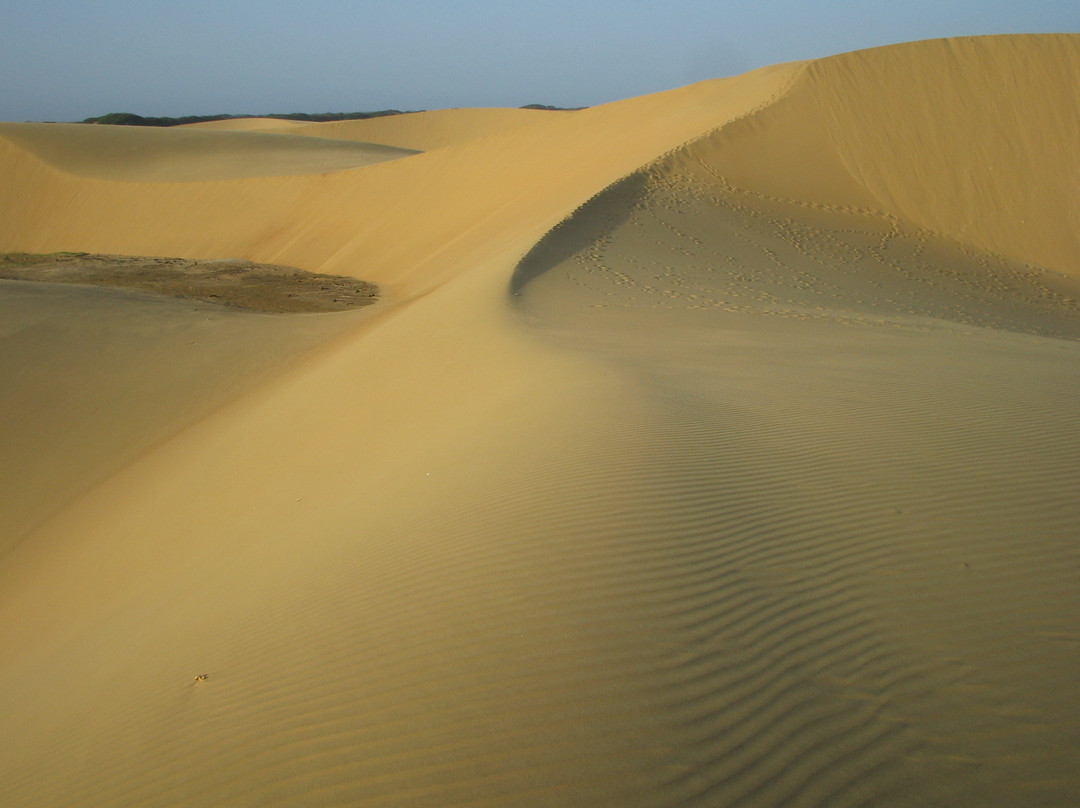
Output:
x=70 y=59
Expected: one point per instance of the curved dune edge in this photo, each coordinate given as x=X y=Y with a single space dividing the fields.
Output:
x=256 y=287
x=911 y=134
x=608 y=544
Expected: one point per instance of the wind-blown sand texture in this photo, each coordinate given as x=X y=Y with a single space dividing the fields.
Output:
x=716 y=447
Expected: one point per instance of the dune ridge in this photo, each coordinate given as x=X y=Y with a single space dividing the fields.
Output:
x=707 y=448
x=428 y=130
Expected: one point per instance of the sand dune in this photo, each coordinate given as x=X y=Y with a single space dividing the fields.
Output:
x=856 y=129
x=429 y=130
x=248 y=124
x=714 y=447
x=181 y=154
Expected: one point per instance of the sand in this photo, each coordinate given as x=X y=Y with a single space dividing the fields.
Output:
x=183 y=154
x=714 y=447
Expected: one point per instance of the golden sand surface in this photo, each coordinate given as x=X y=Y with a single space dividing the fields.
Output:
x=713 y=447
x=95 y=377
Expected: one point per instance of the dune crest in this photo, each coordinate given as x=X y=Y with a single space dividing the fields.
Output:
x=713 y=447
x=428 y=130
x=973 y=139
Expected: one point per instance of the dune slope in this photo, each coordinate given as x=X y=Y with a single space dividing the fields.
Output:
x=95 y=377
x=866 y=439
x=711 y=448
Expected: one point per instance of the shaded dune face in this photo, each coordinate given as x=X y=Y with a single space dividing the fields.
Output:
x=753 y=483
x=679 y=237
x=964 y=149
x=105 y=375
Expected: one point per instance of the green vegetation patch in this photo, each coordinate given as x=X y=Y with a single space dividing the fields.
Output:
x=22 y=259
x=232 y=282
x=131 y=119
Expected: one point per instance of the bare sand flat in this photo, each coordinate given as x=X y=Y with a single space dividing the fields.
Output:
x=715 y=447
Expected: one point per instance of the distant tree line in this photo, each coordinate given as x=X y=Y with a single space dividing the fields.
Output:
x=131 y=119
x=553 y=109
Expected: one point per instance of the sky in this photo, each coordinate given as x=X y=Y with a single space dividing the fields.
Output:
x=66 y=60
